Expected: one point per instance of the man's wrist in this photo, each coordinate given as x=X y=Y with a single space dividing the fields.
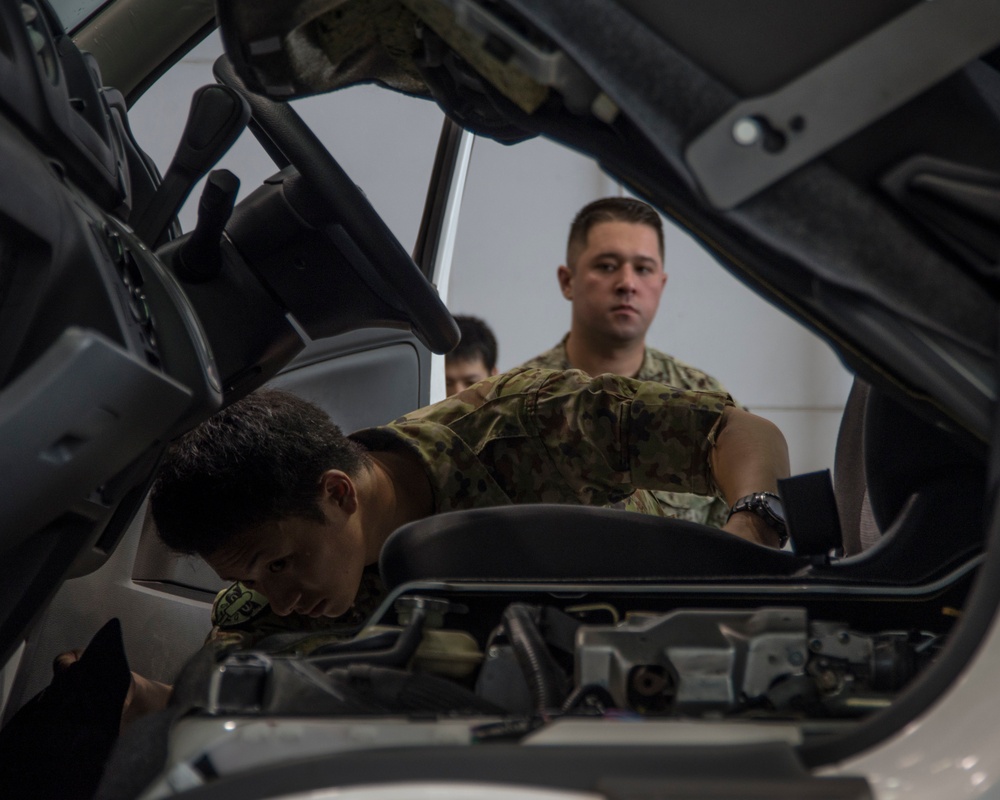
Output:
x=767 y=507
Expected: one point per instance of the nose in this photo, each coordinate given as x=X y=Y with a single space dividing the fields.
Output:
x=282 y=598
x=626 y=280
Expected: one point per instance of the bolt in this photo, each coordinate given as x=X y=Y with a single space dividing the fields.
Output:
x=796 y=659
x=827 y=680
x=746 y=131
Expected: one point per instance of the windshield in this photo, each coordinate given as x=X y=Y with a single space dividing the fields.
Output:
x=73 y=12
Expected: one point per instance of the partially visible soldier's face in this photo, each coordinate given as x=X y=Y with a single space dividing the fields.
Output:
x=303 y=566
x=616 y=281
x=461 y=373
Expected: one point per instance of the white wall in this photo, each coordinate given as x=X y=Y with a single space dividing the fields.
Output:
x=518 y=205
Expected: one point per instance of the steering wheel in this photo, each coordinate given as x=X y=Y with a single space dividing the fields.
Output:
x=395 y=276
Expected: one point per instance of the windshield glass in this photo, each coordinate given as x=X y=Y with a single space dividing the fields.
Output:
x=73 y=12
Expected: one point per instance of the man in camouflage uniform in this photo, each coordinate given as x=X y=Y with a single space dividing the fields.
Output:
x=614 y=279
x=275 y=497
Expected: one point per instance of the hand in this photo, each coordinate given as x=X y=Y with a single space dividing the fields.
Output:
x=749 y=526
x=144 y=695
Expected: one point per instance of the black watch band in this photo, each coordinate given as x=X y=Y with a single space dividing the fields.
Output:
x=767 y=506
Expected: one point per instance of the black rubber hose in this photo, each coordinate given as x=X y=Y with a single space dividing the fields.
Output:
x=546 y=680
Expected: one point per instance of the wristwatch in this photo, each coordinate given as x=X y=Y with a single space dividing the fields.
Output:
x=767 y=506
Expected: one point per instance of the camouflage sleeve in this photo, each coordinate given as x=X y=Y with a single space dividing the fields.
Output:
x=615 y=434
x=694 y=378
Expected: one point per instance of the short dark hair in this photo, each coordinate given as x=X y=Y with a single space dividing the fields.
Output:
x=610 y=209
x=477 y=341
x=256 y=461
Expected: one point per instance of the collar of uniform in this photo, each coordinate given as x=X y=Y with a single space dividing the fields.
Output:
x=458 y=478
x=646 y=371
x=649 y=366
x=561 y=347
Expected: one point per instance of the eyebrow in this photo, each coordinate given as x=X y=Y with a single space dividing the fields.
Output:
x=253 y=560
x=618 y=256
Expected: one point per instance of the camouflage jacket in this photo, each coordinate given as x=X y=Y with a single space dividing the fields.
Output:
x=529 y=436
x=658 y=366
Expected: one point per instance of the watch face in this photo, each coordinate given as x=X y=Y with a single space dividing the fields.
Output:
x=774 y=505
x=765 y=505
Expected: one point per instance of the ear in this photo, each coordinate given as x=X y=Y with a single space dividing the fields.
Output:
x=565 y=276
x=337 y=487
x=494 y=371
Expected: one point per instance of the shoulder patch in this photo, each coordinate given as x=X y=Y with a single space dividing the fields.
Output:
x=238 y=606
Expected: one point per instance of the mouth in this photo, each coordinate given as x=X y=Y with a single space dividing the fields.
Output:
x=625 y=309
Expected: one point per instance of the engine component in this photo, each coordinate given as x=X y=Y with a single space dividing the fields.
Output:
x=769 y=660
x=688 y=662
x=692 y=661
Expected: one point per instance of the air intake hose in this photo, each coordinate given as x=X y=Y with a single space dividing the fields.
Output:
x=546 y=680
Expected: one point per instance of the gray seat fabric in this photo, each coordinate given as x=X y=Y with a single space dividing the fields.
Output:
x=849 y=483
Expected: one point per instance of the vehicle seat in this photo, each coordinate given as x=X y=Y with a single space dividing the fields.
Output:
x=924 y=493
x=849 y=484
x=564 y=543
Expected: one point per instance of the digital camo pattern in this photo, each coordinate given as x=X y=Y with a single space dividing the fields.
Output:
x=656 y=366
x=543 y=436
x=532 y=436
x=663 y=368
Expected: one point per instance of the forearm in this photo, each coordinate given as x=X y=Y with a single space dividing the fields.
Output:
x=750 y=455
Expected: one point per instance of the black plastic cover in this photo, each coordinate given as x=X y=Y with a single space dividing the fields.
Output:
x=53 y=90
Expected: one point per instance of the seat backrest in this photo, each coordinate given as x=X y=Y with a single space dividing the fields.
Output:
x=904 y=453
x=910 y=497
x=849 y=484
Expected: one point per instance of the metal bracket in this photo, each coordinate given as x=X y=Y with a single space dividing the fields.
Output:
x=763 y=139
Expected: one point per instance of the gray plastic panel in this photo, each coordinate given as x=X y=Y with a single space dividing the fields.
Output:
x=732 y=159
x=362 y=389
x=77 y=416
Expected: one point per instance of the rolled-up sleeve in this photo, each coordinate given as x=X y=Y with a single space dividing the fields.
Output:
x=608 y=436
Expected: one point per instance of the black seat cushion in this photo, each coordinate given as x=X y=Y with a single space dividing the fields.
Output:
x=570 y=543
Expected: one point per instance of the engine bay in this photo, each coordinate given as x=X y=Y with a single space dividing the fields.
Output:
x=533 y=655
x=444 y=664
